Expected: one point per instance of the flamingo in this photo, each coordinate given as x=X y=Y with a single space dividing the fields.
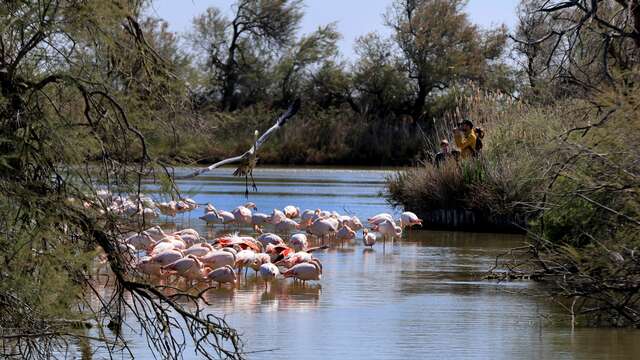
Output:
x=146 y=266
x=259 y=259
x=188 y=238
x=369 y=239
x=191 y=204
x=345 y=233
x=242 y=213
x=188 y=267
x=306 y=218
x=244 y=258
x=299 y=242
x=186 y=205
x=277 y=252
x=219 y=258
x=221 y=275
x=258 y=220
x=147 y=214
x=305 y=271
x=268 y=272
x=291 y=211
x=269 y=238
x=209 y=208
x=168 y=208
x=389 y=229
x=354 y=223
x=377 y=219
x=199 y=250
x=409 y=219
x=156 y=233
x=277 y=216
x=167 y=243
x=286 y=226
x=140 y=241
x=227 y=217
x=212 y=218
x=322 y=228
x=295 y=258
x=153 y=264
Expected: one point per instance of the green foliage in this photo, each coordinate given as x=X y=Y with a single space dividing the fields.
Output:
x=505 y=179
x=82 y=89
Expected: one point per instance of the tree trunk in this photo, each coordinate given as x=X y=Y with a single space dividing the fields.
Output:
x=420 y=101
x=228 y=90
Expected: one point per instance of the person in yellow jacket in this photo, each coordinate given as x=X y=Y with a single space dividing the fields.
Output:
x=465 y=139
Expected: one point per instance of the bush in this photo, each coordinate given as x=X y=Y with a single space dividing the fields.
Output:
x=506 y=179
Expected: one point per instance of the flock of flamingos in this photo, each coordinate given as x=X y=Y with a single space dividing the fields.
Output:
x=285 y=251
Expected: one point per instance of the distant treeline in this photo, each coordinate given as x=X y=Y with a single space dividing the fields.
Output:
x=238 y=70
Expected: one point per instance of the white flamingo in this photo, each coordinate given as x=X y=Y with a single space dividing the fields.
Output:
x=268 y=272
x=369 y=238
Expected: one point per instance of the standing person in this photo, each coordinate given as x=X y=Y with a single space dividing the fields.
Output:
x=444 y=153
x=465 y=139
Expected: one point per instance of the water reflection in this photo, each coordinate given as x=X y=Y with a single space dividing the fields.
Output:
x=420 y=297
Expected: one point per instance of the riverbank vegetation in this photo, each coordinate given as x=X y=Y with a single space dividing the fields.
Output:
x=564 y=154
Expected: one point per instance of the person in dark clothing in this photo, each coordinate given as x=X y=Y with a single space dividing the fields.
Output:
x=444 y=153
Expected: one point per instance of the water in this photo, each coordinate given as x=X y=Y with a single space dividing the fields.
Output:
x=421 y=297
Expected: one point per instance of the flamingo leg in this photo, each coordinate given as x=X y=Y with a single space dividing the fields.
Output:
x=253 y=181
x=246 y=185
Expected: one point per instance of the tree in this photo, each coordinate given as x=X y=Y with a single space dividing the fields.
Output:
x=258 y=26
x=440 y=46
x=330 y=86
x=76 y=80
x=582 y=43
x=310 y=50
x=377 y=76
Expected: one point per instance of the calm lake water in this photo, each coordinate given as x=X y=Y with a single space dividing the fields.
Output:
x=419 y=298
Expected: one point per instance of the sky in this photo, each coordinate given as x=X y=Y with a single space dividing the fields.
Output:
x=354 y=17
